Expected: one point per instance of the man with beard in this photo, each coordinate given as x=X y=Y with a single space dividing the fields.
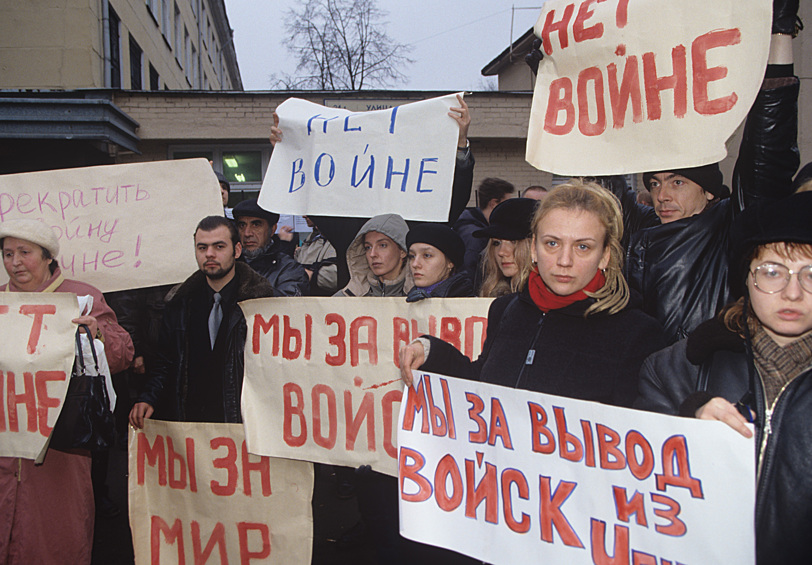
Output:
x=199 y=368
x=265 y=252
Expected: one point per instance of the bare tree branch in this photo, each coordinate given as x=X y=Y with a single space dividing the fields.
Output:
x=342 y=45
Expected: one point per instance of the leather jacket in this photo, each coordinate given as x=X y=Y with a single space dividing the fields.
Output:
x=168 y=383
x=287 y=277
x=718 y=361
x=681 y=268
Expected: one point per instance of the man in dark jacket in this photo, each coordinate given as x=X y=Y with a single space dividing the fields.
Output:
x=681 y=265
x=199 y=371
x=265 y=252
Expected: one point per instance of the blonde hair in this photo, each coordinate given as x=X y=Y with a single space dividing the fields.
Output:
x=591 y=197
x=494 y=283
x=733 y=315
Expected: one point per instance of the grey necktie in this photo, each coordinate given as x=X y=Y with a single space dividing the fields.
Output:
x=215 y=317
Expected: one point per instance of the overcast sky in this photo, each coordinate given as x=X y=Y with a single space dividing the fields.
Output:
x=452 y=39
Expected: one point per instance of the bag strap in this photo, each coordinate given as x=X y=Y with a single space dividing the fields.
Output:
x=79 y=348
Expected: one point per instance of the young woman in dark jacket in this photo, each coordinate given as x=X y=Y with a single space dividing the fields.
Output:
x=435 y=254
x=753 y=363
x=571 y=332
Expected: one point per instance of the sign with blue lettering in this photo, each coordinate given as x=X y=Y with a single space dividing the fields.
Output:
x=335 y=162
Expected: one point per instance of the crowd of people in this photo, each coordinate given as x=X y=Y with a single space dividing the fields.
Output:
x=697 y=304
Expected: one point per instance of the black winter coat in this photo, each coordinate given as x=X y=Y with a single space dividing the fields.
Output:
x=717 y=361
x=167 y=387
x=681 y=268
x=287 y=277
x=471 y=220
x=561 y=352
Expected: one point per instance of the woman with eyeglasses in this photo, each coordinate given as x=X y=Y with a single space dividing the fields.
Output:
x=753 y=364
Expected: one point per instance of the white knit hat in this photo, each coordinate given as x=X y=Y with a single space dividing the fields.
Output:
x=33 y=231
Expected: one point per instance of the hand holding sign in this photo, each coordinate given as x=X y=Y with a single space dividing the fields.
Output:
x=358 y=164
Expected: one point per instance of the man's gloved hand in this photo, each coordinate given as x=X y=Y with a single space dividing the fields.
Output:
x=535 y=56
x=785 y=17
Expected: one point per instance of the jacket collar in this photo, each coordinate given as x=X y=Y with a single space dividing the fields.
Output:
x=250 y=284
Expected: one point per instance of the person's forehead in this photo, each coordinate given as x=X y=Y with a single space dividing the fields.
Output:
x=376 y=237
x=252 y=220
x=420 y=247
x=10 y=242
x=220 y=233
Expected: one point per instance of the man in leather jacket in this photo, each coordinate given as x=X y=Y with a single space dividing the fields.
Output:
x=677 y=254
x=199 y=365
x=264 y=251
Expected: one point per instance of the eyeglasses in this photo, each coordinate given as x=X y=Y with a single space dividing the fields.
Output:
x=774 y=277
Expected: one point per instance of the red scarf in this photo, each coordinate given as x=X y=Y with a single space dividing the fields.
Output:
x=547 y=300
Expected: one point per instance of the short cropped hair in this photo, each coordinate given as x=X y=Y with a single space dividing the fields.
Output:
x=211 y=223
x=493 y=188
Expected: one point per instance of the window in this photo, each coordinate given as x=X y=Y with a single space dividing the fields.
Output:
x=187 y=45
x=136 y=71
x=178 y=36
x=194 y=68
x=154 y=78
x=115 y=49
x=165 y=25
x=243 y=165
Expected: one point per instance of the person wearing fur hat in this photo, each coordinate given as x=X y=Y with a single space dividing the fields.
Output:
x=753 y=364
x=680 y=267
x=435 y=254
x=47 y=513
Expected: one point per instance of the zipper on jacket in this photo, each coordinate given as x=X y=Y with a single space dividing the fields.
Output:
x=531 y=353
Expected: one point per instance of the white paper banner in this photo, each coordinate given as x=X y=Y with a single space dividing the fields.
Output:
x=36 y=361
x=322 y=382
x=119 y=226
x=646 y=85
x=340 y=163
x=197 y=496
x=511 y=476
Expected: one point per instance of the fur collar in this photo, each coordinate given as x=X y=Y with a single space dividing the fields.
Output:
x=250 y=285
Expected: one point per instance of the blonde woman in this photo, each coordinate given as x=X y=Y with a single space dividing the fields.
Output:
x=570 y=331
x=507 y=261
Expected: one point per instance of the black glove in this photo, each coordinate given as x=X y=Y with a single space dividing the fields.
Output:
x=535 y=56
x=785 y=17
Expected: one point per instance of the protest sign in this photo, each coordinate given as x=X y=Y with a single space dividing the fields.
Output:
x=197 y=496
x=35 y=365
x=648 y=85
x=339 y=163
x=513 y=476
x=322 y=381
x=119 y=226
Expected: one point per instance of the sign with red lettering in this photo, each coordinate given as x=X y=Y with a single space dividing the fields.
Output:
x=322 y=381
x=198 y=496
x=35 y=364
x=512 y=476
x=643 y=85
x=340 y=163
x=118 y=226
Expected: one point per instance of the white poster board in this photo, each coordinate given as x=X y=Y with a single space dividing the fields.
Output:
x=513 y=476
x=197 y=496
x=322 y=382
x=647 y=85
x=339 y=163
x=36 y=361
x=119 y=226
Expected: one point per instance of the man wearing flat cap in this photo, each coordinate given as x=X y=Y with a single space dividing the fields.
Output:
x=263 y=251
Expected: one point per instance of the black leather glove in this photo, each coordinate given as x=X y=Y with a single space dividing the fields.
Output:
x=535 y=56
x=785 y=17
